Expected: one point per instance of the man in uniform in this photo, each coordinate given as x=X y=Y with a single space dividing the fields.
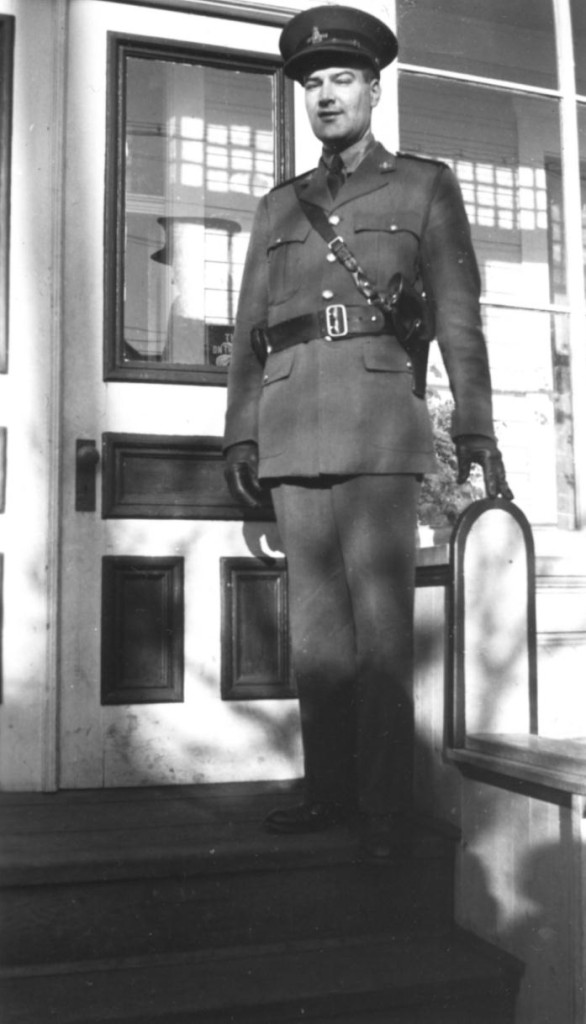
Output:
x=327 y=409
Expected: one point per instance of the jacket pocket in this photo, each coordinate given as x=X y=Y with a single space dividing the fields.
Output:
x=385 y=356
x=387 y=243
x=390 y=224
x=278 y=367
x=278 y=408
x=285 y=260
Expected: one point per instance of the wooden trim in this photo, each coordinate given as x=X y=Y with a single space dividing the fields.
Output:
x=576 y=902
x=256 y=663
x=149 y=476
x=432 y=576
x=563 y=583
x=1 y=628
x=285 y=134
x=142 y=630
x=114 y=213
x=119 y=47
x=573 y=638
x=570 y=145
x=3 y=467
x=230 y=10
x=6 y=80
x=556 y=764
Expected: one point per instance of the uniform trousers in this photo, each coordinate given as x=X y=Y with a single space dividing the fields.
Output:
x=350 y=547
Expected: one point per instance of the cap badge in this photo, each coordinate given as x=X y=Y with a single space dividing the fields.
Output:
x=317 y=36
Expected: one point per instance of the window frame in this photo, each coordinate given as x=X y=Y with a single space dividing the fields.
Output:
x=530 y=762
x=121 y=47
x=6 y=89
x=574 y=309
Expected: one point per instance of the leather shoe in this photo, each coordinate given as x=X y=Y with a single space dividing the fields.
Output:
x=308 y=817
x=377 y=836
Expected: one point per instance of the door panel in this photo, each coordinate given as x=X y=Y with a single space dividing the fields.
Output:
x=145 y=359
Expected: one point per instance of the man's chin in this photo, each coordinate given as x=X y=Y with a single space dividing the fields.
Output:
x=331 y=135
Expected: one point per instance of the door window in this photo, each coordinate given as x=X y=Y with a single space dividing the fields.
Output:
x=197 y=144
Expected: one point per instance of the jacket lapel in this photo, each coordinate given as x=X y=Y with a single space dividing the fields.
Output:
x=369 y=176
x=315 y=190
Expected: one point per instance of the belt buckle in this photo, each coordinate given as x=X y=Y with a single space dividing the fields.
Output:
x=336 y=321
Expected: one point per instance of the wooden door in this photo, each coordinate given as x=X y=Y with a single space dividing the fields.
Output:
x=176 y=124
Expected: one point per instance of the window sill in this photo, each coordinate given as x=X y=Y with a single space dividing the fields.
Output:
x=555 y=763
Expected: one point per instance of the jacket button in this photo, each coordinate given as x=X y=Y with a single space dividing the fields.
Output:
x=393 y=227
x=327 y=294
x=331 y=257
x=334 y=218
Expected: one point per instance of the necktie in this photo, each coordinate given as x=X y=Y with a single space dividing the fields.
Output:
x=336 y=175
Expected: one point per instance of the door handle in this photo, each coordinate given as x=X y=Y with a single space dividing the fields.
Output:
x=86 y=460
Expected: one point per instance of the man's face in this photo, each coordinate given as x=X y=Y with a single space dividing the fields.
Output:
x=339 y=103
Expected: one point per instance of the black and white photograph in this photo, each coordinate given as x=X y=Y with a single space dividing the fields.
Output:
x=292 y=512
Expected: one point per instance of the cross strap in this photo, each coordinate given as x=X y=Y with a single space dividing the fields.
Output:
x=410 y=312
x=336 y=244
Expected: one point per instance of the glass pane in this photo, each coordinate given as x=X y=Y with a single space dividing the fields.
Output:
x=505 y=150
x=199 y=154
x=529 y=357
x=511 y=41
x=558 y=262
x=579 y=30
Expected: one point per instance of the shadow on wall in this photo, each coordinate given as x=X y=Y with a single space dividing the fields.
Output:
x=518 y=876
x=205 y=738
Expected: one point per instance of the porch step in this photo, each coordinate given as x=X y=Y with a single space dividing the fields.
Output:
x=422 y=980
x=224 y=882
x=175 y=906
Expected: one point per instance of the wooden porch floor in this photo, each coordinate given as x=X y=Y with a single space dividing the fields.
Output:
x=171 y=904
x=77 y=835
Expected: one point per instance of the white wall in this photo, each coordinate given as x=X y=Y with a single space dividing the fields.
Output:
x=28 y=399
x=520 y=865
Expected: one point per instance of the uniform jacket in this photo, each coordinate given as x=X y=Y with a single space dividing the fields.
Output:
x=347 y=406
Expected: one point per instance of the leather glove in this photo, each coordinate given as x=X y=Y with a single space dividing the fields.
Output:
x=241 y=474
x=483 y=450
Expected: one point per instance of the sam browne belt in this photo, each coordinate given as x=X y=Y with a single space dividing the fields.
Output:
x=333 y=323
x=410 y=312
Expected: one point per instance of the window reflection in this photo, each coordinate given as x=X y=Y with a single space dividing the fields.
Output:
x=529 y=356
x=579 y=32
x=505 y=149
x=501 y=145
x=199 y=153
x=559 y=287
x=509 y=41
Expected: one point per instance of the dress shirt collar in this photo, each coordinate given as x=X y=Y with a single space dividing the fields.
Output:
x=353 y=155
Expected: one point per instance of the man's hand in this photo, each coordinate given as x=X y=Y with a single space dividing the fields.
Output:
x=241 y=473
x=483 y=450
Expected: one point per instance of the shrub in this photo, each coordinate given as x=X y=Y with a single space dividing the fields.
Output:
x=442 y=499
